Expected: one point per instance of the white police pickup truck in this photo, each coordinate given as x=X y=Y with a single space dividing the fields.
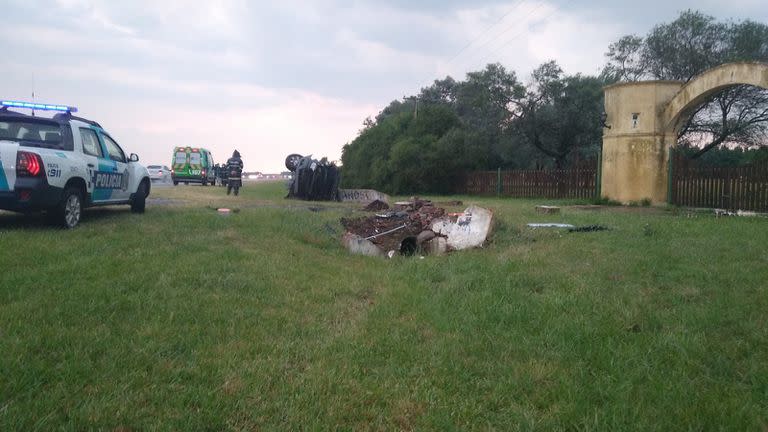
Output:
x=64 y=164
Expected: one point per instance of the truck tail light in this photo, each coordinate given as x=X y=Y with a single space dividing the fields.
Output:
x=203 y=173
x=29 y=164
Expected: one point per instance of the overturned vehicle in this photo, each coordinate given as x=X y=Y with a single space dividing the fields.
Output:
x=312 y=179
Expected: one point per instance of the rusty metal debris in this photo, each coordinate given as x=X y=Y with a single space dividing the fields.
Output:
x=417 y=227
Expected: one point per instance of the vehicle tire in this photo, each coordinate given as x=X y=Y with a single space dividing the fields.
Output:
x=186 y=183
x=175 y=183
x=292 y=161
x=68 y=212
x=205 y=182
x=139 y=202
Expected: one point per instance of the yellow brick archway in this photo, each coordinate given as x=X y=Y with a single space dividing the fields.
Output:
x=644 y=118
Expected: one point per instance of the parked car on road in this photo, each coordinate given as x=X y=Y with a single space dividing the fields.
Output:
x=159 y=173
x=64 y=164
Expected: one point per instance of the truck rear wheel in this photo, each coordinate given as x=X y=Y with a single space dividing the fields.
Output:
x=68 y=212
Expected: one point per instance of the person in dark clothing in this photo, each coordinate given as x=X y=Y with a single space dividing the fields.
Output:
x=234 y=173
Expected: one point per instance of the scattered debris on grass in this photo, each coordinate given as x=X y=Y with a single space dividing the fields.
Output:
x=543 y=209
x=647 y=230
x=743 y=213
x=550 y=225
x=222 y=210
x=569 y=227
x=589 y=228
x=416 y=226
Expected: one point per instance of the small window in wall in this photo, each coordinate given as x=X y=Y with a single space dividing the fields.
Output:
x=635 y=118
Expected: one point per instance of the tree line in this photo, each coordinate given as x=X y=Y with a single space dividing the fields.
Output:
x=492 y=119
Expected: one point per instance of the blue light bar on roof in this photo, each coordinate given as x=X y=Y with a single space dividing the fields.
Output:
x=38 y=106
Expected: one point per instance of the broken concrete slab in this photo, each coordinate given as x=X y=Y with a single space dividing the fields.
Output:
x=550 y=225
x=360 y=246
x=424 y=236
x=437 y=246
x=544 y=209
x=362 y=195
x=468 y=231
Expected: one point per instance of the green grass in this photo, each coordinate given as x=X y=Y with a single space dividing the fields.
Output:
x=180 y=319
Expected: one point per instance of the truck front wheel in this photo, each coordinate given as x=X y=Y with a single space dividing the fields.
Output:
x=139 y=202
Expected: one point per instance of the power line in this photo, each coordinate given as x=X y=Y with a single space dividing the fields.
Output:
x=530 y=13
x=514 y=7
x=545 y=19
x=511 y=9
x=538 y=6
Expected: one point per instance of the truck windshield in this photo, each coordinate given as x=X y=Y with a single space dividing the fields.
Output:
x=34 y=133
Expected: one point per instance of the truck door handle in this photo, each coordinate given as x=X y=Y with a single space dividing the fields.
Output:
x=90 y=165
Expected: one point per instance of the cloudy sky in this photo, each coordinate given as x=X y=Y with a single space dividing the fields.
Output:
x=291 y=76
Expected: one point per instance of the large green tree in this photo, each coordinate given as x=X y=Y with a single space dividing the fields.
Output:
x=686 y=47
x=560 y=115
x=411 y=148
x=424 y=143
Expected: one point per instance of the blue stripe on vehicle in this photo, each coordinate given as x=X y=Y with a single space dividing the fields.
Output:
x=102 y=194
x=3 y=180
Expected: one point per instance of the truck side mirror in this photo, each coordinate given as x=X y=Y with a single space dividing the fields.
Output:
x=134 y=157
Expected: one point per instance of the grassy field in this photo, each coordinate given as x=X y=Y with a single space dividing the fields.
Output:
x=180 y=319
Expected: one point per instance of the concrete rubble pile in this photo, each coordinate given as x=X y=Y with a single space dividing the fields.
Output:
x=417 y=227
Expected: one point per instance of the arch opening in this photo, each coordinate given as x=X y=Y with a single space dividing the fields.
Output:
x=731 y=116
x=710 y=83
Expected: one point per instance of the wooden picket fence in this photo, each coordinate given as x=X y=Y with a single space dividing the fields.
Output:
x=577 y=182
x=731 y=188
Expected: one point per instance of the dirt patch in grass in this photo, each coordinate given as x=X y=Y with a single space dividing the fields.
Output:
x=406 y=412
x=163 y=201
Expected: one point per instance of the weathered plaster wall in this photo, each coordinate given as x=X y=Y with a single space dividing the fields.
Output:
x=635 y=152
